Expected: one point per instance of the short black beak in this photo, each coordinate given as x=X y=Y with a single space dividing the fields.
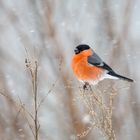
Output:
x=76 y=51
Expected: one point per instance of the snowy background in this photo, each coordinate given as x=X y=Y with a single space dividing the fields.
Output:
x=50 y=30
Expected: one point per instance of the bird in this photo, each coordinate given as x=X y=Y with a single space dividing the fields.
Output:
x=89 y=68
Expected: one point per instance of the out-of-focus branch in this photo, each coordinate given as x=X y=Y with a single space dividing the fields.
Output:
x=63 y=74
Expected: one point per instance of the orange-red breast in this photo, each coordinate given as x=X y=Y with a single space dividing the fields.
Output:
x=89 y=67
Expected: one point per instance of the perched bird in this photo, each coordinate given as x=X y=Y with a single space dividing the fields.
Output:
x=89 y=68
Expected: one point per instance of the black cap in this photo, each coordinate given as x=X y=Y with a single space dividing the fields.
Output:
x=81 y=48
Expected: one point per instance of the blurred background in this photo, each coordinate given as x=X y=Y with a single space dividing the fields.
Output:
x=47 y=31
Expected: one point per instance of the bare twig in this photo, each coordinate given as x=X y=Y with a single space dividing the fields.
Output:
x=44 y=98
x=99 y=111
x=34 y=73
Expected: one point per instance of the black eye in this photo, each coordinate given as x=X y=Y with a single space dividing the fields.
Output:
x=76 y=50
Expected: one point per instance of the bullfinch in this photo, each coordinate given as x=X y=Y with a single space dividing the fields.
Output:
x=89 y=68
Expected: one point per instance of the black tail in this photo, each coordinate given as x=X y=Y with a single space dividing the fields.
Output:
x=112 y=73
